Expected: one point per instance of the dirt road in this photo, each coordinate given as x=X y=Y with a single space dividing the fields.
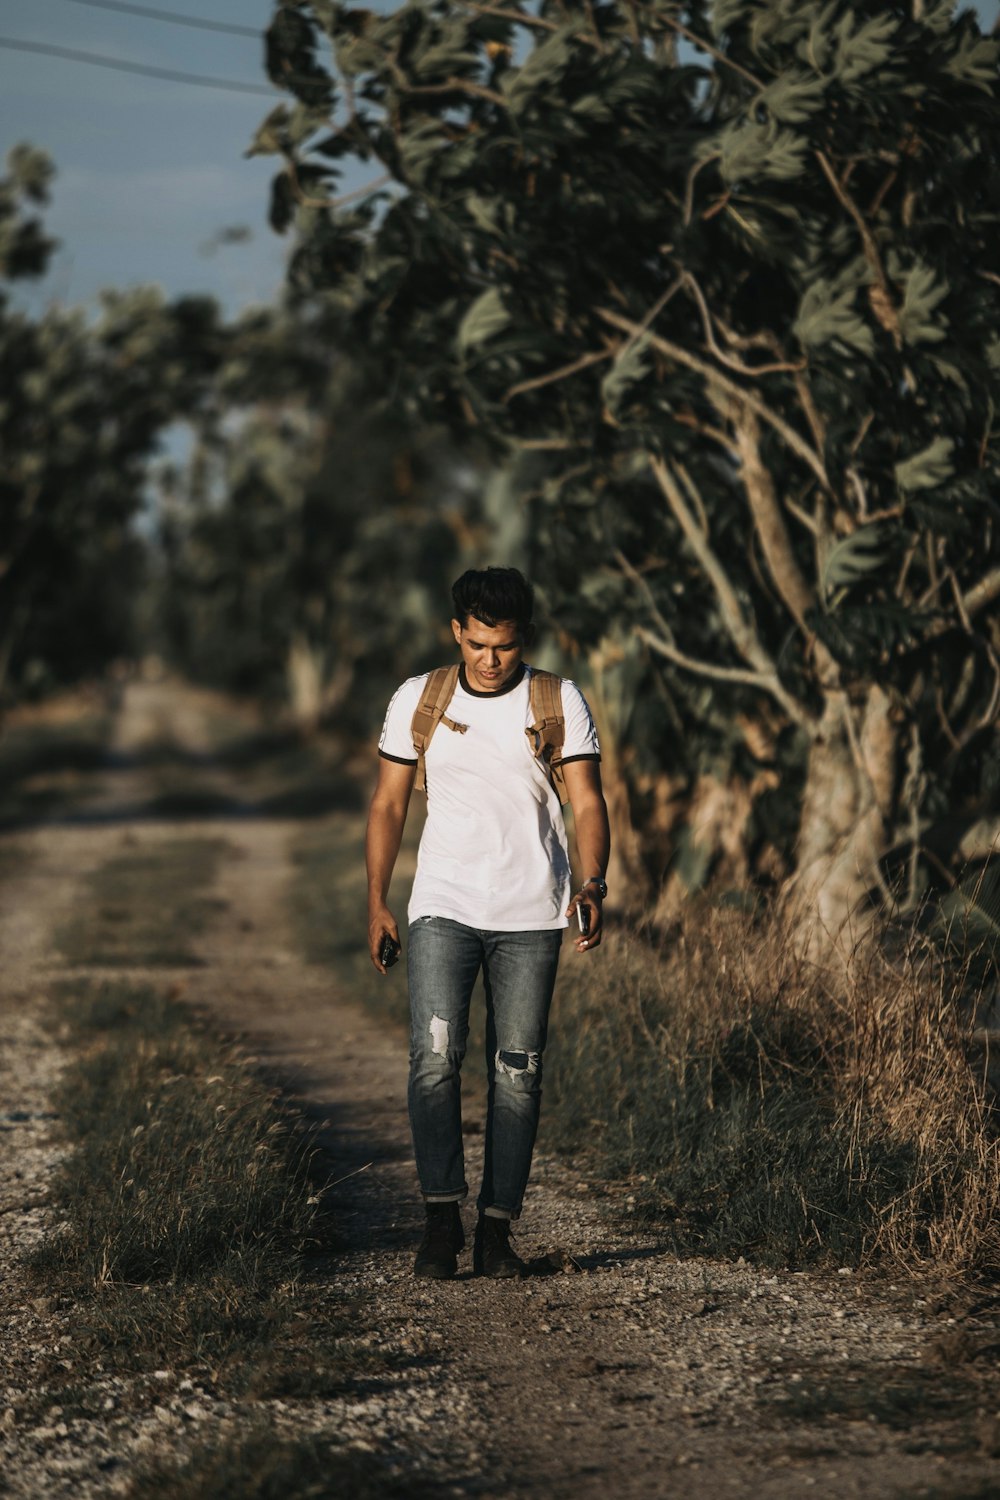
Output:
x=629 y=1374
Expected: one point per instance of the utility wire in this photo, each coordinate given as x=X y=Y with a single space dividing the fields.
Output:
x=15 y=44
x=151 y=14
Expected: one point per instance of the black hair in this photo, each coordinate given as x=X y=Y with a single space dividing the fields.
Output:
x=494 y=595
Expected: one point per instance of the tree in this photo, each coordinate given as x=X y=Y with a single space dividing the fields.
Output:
x=312 y=537
x=84 y=402
x=732 y=271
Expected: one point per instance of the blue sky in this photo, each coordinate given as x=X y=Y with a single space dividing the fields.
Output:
x=150 y=171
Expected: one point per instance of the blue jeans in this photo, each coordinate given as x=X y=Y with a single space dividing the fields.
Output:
x=519 y=973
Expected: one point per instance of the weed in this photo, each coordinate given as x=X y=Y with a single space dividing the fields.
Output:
x=755 y=1112
x=261 y=1463
x=188 y=1211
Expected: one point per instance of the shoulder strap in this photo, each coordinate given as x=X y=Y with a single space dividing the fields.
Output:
x=547 y=733
x=439 y=689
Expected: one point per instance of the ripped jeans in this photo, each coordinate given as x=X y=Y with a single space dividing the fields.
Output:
x=519 y=972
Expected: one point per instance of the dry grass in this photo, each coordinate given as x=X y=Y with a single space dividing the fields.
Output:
x=756 y=1111
x=261 y=1462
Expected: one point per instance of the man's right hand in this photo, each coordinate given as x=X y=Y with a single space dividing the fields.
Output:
x=381 y=923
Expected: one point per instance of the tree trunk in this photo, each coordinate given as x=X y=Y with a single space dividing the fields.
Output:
x=304 y=679
x=844 y=829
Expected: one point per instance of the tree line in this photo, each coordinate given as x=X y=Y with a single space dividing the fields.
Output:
x=689 y=310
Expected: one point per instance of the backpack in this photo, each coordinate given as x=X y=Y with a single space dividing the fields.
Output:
x=545 y=735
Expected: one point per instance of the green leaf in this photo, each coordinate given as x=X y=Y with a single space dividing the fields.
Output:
x=484 y=320
x=930 y=467
x=484 y=212
x=751 y=150
x=828 y=314
x=793 y=98
x=852 y=558
x=922 y=294
x=975 y=62
x=724 y=13
x=863 y=51
x=631 y=366
x=271 y=134
x=543 y=67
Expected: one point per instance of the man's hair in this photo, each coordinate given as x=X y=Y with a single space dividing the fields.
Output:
x=494 y=595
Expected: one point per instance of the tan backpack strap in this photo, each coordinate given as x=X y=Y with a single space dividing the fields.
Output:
x=439 y=689
x=547 y=733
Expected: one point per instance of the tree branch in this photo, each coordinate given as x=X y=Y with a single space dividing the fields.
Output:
x=563 y=373
x=769 y=522
x=794 y=440
x=727 y=359
x=741 y=631
x=982 y=593
x=700 y=42
x=884 y=308
x=663 y=645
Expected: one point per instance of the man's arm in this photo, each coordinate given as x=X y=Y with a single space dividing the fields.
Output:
x=386 y=819
x=593 y=840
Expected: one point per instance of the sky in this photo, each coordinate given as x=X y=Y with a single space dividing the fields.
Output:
x=150 y=171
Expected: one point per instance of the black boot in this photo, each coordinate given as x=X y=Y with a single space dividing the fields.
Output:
x=492 y=1253
x=443 y=1238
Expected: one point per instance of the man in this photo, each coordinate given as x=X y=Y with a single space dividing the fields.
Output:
x=491 y=892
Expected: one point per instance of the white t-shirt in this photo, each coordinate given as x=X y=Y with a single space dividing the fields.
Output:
x=493 y=851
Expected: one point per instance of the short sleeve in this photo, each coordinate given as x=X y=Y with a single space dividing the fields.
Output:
x=580 y=742
x=396 y=739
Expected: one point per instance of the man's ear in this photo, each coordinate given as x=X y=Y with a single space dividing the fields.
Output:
x=456 y=630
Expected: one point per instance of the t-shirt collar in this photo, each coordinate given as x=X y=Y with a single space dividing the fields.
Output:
x=508 y=687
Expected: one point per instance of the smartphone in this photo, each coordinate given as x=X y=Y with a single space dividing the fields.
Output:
x=583 y=917
x=389 y=952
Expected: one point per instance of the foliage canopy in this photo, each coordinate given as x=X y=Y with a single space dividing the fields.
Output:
x=730 y=270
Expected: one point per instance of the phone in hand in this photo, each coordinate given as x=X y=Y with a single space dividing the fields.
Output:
x=389 y=952
x=583 y=917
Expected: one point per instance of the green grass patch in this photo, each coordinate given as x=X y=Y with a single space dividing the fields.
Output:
x=191 y=1230
x=261 y=1463
x=752 y=1112
x=145 y=906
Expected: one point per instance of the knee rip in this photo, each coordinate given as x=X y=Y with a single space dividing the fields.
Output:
x=440 y=1036
x=517 y=1064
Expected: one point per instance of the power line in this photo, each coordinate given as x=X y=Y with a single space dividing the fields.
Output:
x=151 y=14
x=15 y=44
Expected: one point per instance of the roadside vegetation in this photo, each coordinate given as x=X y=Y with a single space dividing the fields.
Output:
x=268 y=1464
x=755 y=1110
x=735 y=1099
x=192 y=1240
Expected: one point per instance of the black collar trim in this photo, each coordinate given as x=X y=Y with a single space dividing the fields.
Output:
x=508 y=686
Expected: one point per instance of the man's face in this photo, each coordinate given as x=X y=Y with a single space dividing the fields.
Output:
x=491 y=653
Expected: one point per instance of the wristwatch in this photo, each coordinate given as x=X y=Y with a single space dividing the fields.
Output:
x=600 y=882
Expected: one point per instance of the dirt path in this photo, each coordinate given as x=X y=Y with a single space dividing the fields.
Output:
x=634 y=1373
